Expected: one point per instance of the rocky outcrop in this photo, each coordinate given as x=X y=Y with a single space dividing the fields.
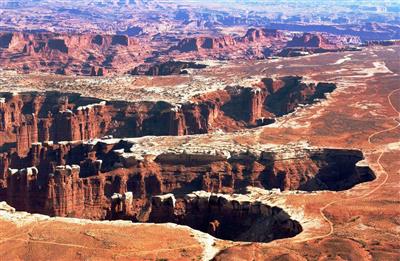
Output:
x=28 y=118
x=142 y=180
x=262 y=35
x=323 y=41
x=203 y=42
x=309 y=43
x=91 y=180
x=246 y=104
x=272 y=98
x=310 y=40
x=48 y=154
x=22 y=188
x=68 y=54
x=31 y=117
x=100 y=54
x=253 y=44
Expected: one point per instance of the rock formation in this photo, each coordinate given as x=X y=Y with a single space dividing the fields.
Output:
x=91 y=180
x=262 y=35
x=309 y=43
x=68 y=54
x=101 y=54
x=59 y=158
x=28 y=118
x=310 y=40
x=199 y=43
x=253 y=43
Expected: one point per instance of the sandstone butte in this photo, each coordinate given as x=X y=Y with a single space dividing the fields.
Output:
x=94 y=54
x=280 y=161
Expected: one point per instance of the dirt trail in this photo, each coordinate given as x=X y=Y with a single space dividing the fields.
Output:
x=382 y=170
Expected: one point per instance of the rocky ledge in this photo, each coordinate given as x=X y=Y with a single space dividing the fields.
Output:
x=27 y=118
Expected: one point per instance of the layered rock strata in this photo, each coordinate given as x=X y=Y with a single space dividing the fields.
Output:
x=27 y=118
x=114 y=179
x=309 y=43
x=102 y=54
x=89 y=54
x=253 y=35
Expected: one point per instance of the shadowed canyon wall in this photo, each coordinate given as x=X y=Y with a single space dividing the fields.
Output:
x=80 y=179
x=225 y=217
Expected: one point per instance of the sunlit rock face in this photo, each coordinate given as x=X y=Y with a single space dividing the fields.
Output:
x=28 y=118
x=90 y=180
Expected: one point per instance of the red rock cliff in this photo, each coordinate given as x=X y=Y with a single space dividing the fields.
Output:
x=28 y=118
x=68 y=54
x=81 y=179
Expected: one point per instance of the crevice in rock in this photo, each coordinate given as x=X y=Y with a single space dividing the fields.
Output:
x=229 y=217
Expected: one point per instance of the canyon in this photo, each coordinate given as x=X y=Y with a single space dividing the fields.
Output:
x=199 y=130
x=62 y=157
x=107 y=179
x=28 y=118
x=260 y=170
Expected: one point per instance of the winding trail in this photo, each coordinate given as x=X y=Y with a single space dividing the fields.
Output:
x=322 y=209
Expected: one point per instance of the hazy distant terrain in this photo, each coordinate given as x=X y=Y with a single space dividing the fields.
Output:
x=371 y=20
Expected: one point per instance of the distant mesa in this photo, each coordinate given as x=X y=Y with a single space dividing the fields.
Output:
x=256 y=34
x=207 y=42
x=67 y=53
x=77 y=54
x=310 y=40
